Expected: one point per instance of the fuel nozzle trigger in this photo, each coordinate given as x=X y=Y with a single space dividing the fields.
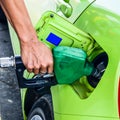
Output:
x=36 y=82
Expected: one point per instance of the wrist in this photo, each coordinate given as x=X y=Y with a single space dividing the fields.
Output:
x=28 y=38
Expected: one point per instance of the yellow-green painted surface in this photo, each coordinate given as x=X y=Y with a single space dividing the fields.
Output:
x=103 y=25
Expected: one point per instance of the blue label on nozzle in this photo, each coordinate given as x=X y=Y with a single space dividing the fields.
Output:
x=54 y=39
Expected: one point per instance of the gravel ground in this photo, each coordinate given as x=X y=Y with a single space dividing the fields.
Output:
x=10 y=102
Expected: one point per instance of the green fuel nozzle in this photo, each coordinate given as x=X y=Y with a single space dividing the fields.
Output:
x=70 y=64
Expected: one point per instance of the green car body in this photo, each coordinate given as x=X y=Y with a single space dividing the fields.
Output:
x=80 y=101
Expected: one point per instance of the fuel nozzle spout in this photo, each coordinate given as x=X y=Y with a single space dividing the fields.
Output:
x=96 y=74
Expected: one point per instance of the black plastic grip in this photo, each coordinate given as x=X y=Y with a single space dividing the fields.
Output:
x=34 y=82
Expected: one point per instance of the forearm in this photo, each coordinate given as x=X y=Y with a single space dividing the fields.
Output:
x=17 y=14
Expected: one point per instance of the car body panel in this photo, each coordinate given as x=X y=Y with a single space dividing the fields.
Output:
x=102 y=21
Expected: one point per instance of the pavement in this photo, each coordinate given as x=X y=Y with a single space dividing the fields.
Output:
x=10 y=101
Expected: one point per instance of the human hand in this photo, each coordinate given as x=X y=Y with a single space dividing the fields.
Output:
x=37 y=57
